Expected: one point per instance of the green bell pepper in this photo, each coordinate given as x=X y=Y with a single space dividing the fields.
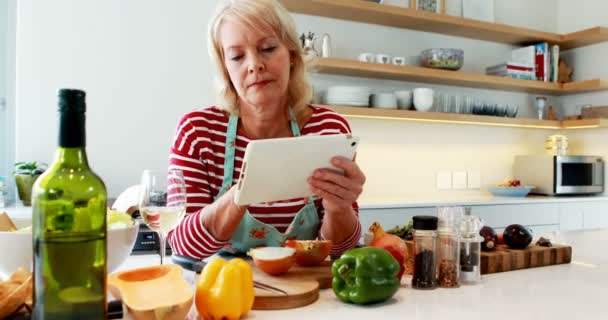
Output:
x=365 y=275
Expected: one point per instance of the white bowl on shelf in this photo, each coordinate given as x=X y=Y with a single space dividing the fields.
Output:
x=423 y=99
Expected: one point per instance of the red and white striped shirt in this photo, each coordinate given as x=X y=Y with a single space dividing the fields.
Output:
x=198 y=150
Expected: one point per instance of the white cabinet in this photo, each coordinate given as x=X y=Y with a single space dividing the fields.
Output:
x=539 y=217
x=595 y=215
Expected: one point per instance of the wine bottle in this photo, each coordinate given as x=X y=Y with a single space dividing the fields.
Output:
x=69 y=225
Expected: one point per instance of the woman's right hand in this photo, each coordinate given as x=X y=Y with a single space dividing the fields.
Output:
x=223 y=216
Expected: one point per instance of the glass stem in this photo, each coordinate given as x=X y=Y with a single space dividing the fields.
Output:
x=161 y=240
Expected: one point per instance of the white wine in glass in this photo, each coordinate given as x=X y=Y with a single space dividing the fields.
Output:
x=162 y=203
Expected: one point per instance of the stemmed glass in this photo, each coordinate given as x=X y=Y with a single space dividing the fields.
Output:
x=162 y=202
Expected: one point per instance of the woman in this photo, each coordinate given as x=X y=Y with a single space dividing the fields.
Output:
x=264 y=94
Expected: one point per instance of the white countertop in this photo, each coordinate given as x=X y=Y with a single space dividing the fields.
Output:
x=19 y=211
x=572 y=291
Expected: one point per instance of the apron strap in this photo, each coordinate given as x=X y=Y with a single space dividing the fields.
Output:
x=229 y=154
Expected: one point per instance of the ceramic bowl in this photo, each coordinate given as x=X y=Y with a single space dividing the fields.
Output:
x=16 y=247
x=442 y=58
x=511 y=191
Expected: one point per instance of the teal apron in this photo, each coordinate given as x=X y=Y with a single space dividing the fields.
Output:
x=251 y=232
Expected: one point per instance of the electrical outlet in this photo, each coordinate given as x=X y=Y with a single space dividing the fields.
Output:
x=474 y=180
x=459 y=180
x=444 y=180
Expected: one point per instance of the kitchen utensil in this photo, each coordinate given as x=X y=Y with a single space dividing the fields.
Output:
x=540 y=103
x=383 y=58
x=404 y=99
x=442 y=58
x=423 y=99
x=505 y=259
x=398 y=61
x=367 y=57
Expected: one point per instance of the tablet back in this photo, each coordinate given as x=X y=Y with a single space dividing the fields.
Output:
x=277 y=169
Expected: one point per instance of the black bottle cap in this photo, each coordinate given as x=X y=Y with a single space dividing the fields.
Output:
x=72 y=100
x=425 y=222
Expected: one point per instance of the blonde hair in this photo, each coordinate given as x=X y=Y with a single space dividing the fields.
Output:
x=256 y=13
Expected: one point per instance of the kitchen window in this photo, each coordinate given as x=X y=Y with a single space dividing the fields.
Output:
x=7 y=96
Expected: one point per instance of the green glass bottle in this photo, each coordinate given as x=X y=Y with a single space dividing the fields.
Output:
x=69 y=225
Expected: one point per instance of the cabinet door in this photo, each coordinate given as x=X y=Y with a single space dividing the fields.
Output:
x=596 y=215
x=500 y=216
x=571 y=215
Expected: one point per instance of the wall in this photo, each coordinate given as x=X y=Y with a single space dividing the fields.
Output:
x=588 y=63
x=144 y=63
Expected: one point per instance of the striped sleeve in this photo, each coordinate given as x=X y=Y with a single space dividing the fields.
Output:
x=190 y=238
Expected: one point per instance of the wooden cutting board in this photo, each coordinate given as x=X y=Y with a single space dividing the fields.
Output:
x=504 y=259
x=302 y=285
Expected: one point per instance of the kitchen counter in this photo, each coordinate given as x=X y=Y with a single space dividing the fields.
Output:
x=19 y=211
x=572 y=291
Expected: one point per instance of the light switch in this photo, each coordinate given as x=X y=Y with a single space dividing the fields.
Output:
x=474 y=180
x=444 y=180
x=459 y=180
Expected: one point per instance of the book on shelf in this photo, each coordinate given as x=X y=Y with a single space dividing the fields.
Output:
x=513 y=70
x=537 y=55
x=554 y=63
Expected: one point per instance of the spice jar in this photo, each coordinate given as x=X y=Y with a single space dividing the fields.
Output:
x=425 y=246
x=470 y=249
x=448 y=252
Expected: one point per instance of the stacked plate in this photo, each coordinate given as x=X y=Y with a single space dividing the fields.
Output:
x=348 y=96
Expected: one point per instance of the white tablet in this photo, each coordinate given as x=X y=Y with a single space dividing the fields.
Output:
x=277 y=169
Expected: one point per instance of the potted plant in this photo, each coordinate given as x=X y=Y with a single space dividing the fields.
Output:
x=26 y=174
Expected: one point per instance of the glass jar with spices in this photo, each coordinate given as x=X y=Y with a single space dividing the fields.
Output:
x=448 y=252
x=425 y=243
x=470 y=249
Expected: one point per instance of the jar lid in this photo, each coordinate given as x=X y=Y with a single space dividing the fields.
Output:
x=425 y=222
x=470 y=226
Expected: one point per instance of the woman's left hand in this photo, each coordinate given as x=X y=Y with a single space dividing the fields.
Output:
x=338 y=191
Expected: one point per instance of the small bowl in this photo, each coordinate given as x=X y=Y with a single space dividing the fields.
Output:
x=511 y=191
x=442 y=58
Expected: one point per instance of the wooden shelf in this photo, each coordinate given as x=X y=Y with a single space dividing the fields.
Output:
x=369 y=12
x=469 y=119
x=354 y=68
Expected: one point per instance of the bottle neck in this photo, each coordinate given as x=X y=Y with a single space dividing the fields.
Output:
x=72 y=139
x=72 y=130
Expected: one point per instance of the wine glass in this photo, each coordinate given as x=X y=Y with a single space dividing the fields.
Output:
x=162 y=202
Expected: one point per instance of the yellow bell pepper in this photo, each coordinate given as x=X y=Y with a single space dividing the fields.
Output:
x=225 y=290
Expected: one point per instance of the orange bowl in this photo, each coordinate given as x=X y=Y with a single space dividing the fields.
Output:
x=273 y=260
x=310 y=252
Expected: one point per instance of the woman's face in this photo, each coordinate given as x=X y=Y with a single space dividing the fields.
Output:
x=257 y=62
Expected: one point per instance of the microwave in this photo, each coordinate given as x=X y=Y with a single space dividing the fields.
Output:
x=560 y=175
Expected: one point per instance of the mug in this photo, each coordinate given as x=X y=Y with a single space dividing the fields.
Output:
x=423 y=99
x=383 y=58
x=399 y=61
x=366 y=57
